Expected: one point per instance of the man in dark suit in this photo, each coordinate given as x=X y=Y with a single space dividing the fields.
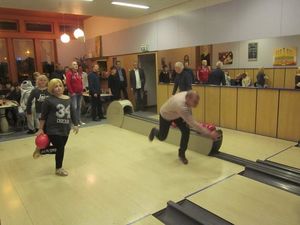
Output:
x=137 y=82
x=183 y=79
x=95 y=92
x=217 y=76
x=123 y=79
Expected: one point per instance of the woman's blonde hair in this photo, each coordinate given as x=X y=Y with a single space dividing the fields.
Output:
x=40 y=77
x=52 y=84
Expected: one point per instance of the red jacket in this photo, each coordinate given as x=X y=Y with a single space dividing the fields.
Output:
x=74 y=82
x=203 y=73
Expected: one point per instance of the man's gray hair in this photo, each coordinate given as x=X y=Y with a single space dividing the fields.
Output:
x=179 y=65
x=219 y=64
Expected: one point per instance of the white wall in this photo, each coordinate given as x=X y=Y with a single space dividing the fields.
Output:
x=67 y=52
x=235 y=20
x=265 y=51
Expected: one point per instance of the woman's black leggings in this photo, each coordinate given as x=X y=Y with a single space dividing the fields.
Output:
x=57 y=147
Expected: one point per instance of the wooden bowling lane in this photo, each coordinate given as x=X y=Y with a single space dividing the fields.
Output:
x=12 y=210
x=289 y=157
x=149 y=220
x=246 y=202
x=251 y=146
x=115 y=177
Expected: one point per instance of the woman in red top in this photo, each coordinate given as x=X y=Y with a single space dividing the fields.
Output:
x=75 y=89
x=203 y=72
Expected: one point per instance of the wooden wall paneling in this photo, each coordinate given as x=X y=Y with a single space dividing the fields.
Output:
x=170 y=89
x=246 y=109
x=290 y=78
x=255 y=72
x=13 y=76
x=238 y=71
x=174 y=55
x=289 y=115
x=279 y=77
x=199 y=112
x=228 y=108
x=162 y=95
x=127 y=62
x=37 y=54
x=231 y=73
x=212 y=105
x=270 y=73
x=267 y=112
x=250 y=73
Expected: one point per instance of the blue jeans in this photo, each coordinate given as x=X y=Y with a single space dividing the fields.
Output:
x=76 y=105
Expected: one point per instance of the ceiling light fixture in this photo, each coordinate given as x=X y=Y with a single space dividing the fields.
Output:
x=130 y=5
x=78 y=33
x=65 y=38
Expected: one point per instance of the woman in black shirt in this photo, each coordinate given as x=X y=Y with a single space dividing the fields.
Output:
x=56 y=118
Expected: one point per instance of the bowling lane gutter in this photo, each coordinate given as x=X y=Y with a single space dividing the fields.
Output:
x=269 y=174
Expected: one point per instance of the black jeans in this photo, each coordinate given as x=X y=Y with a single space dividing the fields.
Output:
x=164 y=126
x=96 y=107
x=138 y=99
x=57 y=147
x=123 y=89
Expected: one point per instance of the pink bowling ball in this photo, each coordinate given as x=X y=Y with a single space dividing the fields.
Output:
x=42 y=141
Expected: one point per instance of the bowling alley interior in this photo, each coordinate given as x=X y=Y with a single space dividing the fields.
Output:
x=149 y=112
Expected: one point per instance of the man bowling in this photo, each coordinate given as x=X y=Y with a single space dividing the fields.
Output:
x=178 y=109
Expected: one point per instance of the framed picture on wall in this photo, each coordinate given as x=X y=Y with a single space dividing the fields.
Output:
x=226 y=57
x=285 y=57
x=252 y=51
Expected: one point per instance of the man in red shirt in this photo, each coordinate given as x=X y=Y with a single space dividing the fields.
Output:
x=75 y=89
x=203 y=72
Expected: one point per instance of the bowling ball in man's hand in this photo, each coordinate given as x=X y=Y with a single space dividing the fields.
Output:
x=42 y=141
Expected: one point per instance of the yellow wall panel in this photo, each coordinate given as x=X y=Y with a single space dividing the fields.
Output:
x=246 y=109
x=199 y=112
x=267 y=112
x=228 y=108
x=212 y=105
x=279 y=76
x=162 y=95
x=270 y=74
x=290 y=78
x=289 y=115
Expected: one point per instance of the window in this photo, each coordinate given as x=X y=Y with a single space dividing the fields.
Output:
x=38 y=27
x=3 y=61
x=47 y=56
x=9 y=25
x=64 y=28
x=25 y=58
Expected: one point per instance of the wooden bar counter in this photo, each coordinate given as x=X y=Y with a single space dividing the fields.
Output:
x=273 y=112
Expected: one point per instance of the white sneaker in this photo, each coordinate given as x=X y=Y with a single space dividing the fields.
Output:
x=36 y=154
x=61 y=172
x=81 y=123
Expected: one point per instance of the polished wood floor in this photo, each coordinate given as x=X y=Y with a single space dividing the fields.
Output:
x=247 y=202
x=116 y=177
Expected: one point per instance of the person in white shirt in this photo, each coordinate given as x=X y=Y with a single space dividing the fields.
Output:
x=137 y=81
x=178 y=109
x=85 y=81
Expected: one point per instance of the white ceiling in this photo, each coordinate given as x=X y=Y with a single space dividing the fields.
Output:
x=94 y=8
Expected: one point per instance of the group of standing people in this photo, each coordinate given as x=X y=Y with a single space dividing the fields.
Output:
x=117 y=83
x=183 y=77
